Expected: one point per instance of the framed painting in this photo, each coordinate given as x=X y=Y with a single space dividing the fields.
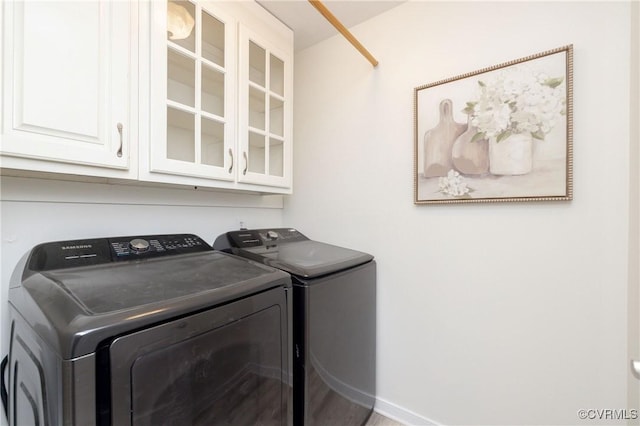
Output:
x=503 y=133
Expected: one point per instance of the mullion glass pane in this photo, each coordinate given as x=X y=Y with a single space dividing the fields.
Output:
x=180 y=135
x=276 y=75
x=180 y=78
x=257 y=64
x=181 y=23
x=257 y=154
x=212 y=39
x=212 y=142
x=276 y=157
x=276 y=116
x=212 y=99
x=256 y=108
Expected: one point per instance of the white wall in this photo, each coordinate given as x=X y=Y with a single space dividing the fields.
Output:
x=488 y=313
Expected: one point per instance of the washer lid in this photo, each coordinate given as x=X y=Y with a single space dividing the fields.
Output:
x=308 y=259
x=288 y=249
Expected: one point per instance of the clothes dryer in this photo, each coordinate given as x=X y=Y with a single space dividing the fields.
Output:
x=334 y=322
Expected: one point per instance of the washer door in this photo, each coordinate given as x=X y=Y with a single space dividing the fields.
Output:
x=223 y=366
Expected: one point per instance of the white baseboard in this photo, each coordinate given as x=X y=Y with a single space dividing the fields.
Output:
x=402 y=415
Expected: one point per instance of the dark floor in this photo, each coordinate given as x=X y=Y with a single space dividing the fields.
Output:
x=379 y=420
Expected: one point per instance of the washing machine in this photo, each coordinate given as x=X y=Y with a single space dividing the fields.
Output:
x=146 y=330
x=334 y=321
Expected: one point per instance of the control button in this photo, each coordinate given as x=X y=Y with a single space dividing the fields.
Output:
x=273 y=235
x=156 y=245
x=139 y=245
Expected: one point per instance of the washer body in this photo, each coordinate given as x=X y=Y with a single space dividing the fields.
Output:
x=146 y=330
x=334 y=322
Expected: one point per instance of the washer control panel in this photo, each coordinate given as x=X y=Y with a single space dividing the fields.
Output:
x=74 y=253
x=263 y=237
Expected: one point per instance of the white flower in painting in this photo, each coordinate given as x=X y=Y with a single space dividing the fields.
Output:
x=516 y=100
x=453 y=184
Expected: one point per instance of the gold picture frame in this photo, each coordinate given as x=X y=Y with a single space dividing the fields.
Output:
x=503 y=133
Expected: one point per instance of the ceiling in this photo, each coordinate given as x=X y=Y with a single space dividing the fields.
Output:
x=310 y=27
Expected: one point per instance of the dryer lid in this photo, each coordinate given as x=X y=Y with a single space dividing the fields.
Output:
x=109 y=288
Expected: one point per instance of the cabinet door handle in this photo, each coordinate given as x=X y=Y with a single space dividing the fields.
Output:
x=246 y=162
x=231 y=155
x=119 y=153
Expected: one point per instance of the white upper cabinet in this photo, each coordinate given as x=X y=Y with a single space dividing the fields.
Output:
x=193 y=81
x=68 y=75
x=220 y=96
x=181 y=92
x=265 y=109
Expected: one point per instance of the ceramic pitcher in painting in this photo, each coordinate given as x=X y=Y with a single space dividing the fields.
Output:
x=511 y=156
x=438 y=142
x=469 y=156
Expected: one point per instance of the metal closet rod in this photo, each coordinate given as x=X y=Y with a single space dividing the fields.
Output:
x=343 y=30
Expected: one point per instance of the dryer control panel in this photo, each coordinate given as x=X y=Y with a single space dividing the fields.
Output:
x=125 y=248
x=74 y=253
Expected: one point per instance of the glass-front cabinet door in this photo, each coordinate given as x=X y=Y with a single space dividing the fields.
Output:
x=265 y=102
x=193 y=74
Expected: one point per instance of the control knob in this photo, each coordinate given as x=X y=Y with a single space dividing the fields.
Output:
x=139 y=245
x=272 y=235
